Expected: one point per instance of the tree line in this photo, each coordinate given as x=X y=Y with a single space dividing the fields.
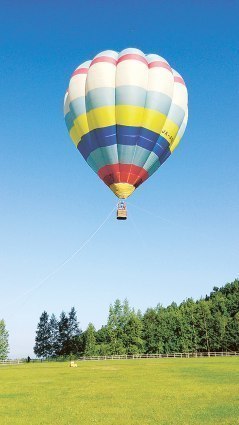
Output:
x=208 y=324
x=4 y=346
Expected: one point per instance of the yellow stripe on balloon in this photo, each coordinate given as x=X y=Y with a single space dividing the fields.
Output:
x=153 y=120
x=96 y=118
x=75 y=135
x=79 y=128
x=81 y=123
x=101 y=117
x=169 y=131
x=128 y=115
x=175 y=143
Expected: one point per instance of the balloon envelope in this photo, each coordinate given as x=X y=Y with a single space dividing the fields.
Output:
x=126 y=112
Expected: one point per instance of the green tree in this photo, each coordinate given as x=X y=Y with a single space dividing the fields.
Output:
x=115 y=328
x=154 y=328
x=64 y=335
x=204 y=325
x=54 y=336
x=74 y=332
x=171 y=324
x=4 y=347
x=102 y=342
x=90 y=341
x=102 y=335
x=42 y=346
x=232 y=333
x=133 y=331
x=220 y=318
x=209 y=324
x=189 y=339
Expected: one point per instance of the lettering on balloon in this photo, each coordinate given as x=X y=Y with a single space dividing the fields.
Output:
x=166 y=133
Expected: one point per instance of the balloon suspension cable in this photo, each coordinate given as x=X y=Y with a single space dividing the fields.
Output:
x=67 y=260
x=171 y=222
x=137 y=229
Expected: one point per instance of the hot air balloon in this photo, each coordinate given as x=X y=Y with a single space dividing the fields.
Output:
x=126 y=113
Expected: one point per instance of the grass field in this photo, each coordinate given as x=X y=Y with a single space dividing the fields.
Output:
x=123 y=392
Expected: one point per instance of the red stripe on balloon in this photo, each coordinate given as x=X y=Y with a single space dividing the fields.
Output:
x=160 y=64
x=179 y=80
x=80 y=71
x=134 y=57
x=104 y=59
x=110 y=174
x=123 y=173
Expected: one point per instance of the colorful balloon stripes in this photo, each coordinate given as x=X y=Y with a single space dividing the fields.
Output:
x=126 y=112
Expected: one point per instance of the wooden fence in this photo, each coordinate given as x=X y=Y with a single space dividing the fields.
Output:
x=10 y=362
x=162 y=356
x=131 y=357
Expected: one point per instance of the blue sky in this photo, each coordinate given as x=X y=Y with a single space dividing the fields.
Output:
x=181 y=238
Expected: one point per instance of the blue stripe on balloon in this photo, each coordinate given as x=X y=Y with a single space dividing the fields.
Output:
x=164 y=156
x=129 y=136
x=160 y=146
x=98 y=147
x=152 y=164
x=101 y=137
x=136 y=135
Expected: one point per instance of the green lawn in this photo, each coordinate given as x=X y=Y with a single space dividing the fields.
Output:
x=122 y=392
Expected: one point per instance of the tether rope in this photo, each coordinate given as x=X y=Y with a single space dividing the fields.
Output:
x=67 y=260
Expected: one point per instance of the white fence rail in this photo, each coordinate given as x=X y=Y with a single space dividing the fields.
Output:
x=160 y=356
x=132 y=357
x=10 y=362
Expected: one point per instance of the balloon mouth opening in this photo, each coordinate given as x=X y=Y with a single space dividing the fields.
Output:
x=122 y=190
